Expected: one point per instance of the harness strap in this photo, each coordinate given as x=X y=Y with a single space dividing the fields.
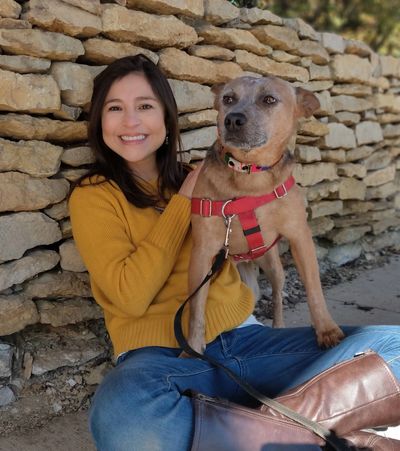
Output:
x=244 y=207
x=207 y=207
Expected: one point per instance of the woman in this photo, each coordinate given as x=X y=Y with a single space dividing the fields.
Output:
x=130 y=221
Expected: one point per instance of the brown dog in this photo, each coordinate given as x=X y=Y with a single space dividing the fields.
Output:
x=249 y=164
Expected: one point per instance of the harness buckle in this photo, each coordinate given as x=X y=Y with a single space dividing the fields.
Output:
x=209 y=211
x=285 y=191
x=226 y=217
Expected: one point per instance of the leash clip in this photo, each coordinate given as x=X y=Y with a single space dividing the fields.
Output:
x=228 y=222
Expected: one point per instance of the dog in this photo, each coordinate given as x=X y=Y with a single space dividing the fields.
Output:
x=250 y=163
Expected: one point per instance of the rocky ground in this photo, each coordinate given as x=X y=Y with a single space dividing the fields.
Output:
x=69 y=389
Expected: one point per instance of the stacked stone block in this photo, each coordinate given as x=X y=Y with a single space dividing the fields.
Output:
x=50 y=50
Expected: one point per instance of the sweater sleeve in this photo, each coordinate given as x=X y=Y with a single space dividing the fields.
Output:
x=128 y=274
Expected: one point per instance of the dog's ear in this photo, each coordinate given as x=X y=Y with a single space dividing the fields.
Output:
x=307 y=102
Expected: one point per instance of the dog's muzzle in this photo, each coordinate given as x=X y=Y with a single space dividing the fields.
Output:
x=235 y=121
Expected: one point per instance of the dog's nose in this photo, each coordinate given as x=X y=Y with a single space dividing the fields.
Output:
x=234 y=121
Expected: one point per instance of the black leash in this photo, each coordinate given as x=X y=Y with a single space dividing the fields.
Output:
x=334 y=443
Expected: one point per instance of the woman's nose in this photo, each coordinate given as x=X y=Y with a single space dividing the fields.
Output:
x=131 y=118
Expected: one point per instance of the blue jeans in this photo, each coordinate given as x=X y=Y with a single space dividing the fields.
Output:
x=140 y=405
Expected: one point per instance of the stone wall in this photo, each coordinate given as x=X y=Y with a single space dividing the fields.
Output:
x=348 y=154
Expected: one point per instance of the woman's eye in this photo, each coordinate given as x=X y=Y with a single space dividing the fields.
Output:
x=227 y=100
x=114 y=108
x=269 y=100
x=145 y=106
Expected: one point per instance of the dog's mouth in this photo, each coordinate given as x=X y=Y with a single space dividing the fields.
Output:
x=245 y=144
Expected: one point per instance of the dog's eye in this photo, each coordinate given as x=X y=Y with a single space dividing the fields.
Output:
x=227 y=100
x=269 y=100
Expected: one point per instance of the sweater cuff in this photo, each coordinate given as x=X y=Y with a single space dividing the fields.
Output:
x=173 y=224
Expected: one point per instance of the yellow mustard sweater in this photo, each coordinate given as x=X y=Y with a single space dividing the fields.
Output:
x=138 y=265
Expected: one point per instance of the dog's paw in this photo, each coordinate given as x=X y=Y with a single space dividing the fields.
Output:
x=330 y=337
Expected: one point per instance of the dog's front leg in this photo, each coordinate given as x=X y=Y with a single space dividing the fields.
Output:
x=206 y=244
x=303 y=251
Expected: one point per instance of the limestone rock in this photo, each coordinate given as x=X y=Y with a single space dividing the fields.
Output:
x=359 y=48
x=359 y=153
x=28 y=93
x=19 y=192
x=142 y=28
x=22 y=231
x=178 y=64
x=198 y=119
x=311 y=174
x=6 y=354
x=257 y=16
x=59 y=16
x=191 y=96
x=266 y=66
x=43 y=44
x=339 y=136
x=333 y=42
x=36 y=158
x=347 y=118
x=75 y=82
x=280 y=38
x=368 y=132
x=211 y=52
x=284 y=57
x=24 y=64
x=351 y=188
x=378 y=160
x=389 y=66
x=220 y=11
x=62 y=346
x=322 y=190
x=16 y=312
x=391 y=131
x=348 y=235
x=93 y=6
x=340 y=255
x=69 y=113
x=10 y=8
x=350 y=103
x=73 y=174
x=104 y=51
x=199 y=139
x=57 y=211
x=14 y=24
x=352 y=170
x=63 y=284
x=68 y=311
x=380 y=177
x=351 y=69
x=26 y=267
x=318 y=72
x=314 y=50
x=382 y=191
x=70 y=258
x=352 y=89
x=303 y=29
x=22 y=126
x=356 y=207
x=320 y=226
x=311 y=127
x=334 y=156
x=307 y=154
x=190 y=8
x=232 y=38
x=78 y=156
x=325 y=208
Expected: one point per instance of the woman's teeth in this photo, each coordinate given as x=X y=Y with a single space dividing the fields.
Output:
x=133 y=138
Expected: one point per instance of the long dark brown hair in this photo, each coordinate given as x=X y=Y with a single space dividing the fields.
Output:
x=112 y=166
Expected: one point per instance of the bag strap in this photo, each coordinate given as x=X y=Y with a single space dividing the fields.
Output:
x=336 y=443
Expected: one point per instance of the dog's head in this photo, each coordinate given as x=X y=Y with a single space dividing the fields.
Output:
x=260 y=113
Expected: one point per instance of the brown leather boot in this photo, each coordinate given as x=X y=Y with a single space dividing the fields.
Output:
x=357 y=394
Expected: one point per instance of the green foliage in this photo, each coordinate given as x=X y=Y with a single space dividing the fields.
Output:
x=375 y=22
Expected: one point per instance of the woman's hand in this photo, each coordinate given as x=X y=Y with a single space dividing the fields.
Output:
x=190 y=181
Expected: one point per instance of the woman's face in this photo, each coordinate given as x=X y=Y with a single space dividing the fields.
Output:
x=133 y=123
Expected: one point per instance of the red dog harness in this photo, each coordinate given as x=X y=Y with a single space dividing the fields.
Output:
x=244 y=207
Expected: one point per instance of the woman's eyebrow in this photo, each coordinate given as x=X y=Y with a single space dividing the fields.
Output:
x=140 y=98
